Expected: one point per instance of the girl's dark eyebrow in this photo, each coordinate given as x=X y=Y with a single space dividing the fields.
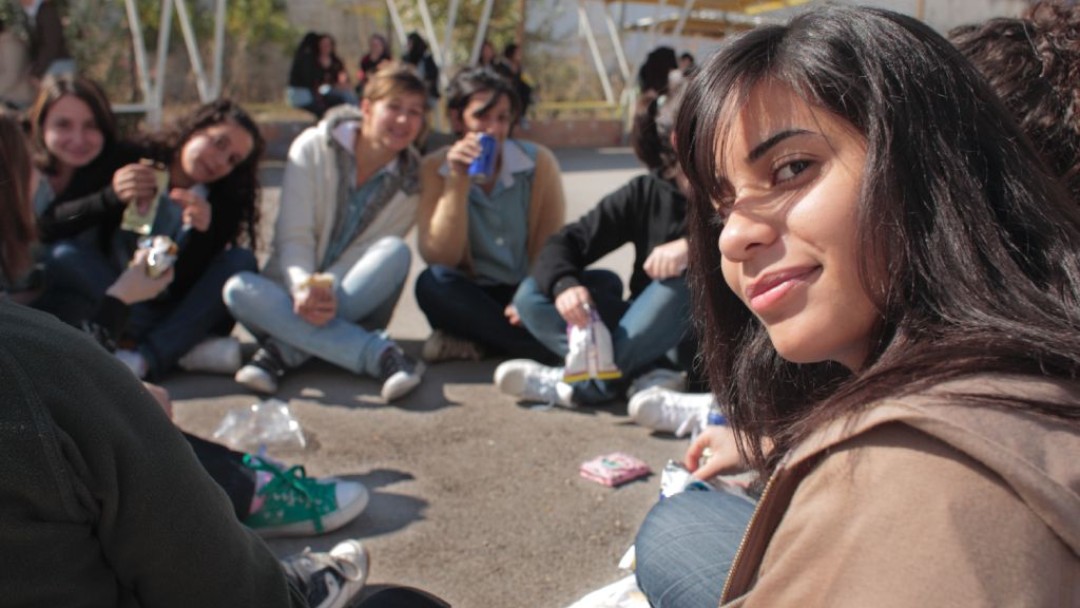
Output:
x=760 y=149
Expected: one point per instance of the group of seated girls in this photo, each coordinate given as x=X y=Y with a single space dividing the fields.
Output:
x=505 y=276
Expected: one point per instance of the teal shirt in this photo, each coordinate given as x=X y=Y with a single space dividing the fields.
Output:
x=43 y=196
x=358 y=198
x=499 y=222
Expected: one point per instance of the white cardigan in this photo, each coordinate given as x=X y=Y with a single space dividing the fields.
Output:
x=307 y=212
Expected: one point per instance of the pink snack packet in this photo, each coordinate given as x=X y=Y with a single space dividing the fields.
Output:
x=614 y=469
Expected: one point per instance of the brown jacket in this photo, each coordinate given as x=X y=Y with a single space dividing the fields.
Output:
x=923 y=501
x=443 y=216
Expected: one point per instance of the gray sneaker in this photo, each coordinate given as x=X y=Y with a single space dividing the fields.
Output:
x=329 y=580
x=399 y=373
x=262 y=373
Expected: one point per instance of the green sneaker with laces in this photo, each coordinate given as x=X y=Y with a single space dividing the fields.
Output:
x=297 y=505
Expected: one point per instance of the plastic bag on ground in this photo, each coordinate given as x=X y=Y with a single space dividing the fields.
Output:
x=267 y=423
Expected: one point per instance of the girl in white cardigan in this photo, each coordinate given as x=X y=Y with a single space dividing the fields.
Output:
x=349 y=195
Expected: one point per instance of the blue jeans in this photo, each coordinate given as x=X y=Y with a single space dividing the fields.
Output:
x=366 y=297
x=686 y=545
x=77 y=275
x=166 y=328
x=455 y=303
x=643 y=330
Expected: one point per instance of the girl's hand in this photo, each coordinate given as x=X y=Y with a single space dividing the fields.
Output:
x=197 y=211
x=135 y=184
x=723 y=458
x=571 y=305
x=134 y=285
x=512 y=315
x=315 y=304
x=463 y=153
x=668 y=260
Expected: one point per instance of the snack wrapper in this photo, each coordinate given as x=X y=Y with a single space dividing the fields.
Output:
x=614 y=469
x=590 y=355
x=320 y=279
x=142 y=223
x=162 y=254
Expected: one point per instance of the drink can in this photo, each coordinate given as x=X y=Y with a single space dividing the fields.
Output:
x=482 y=167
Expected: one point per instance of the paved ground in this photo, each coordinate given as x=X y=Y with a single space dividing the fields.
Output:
x=473 y=497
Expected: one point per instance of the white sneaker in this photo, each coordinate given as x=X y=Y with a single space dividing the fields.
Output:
x=216 y=355
x=665 y=410
x=134 y=361
x=667 y=378
x=530 y=381
x=441 y=346
x=330 y=580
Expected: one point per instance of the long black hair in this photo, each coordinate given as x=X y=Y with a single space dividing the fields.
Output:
x=235 y=197
x=971 y=249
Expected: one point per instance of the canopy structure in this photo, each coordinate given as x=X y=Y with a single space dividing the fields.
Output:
x=152 y=88
x=710 y=18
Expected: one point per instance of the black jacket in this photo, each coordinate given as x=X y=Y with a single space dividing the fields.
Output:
x=647 y=211
x=102 y=502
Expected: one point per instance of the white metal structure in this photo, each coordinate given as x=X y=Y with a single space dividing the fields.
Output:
x=153 y=87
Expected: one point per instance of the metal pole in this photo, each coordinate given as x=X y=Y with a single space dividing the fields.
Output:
x=162 y=54
x=481 y=32
x=137 y=41
x=616 y=41
x=687 y=7
x=586 y=26
x=193 y=51
x=429 y=31
x=920 y=9
x=448 y=36
x=219 y=48
x=395 y=18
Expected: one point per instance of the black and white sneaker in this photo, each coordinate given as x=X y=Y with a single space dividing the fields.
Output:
x=398 y=372
x=262 y=373
x=329 y=580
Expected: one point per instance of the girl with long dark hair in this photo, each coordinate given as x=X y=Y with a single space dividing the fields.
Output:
x=887 y=280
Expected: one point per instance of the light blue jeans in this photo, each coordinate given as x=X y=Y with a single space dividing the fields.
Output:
x=686 y=545
x=366 y=297
x=643 y=330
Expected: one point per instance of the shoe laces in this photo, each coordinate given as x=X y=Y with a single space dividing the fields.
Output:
x=268 y=359
x=392 y=362
x=293 y=480
x=542 y=384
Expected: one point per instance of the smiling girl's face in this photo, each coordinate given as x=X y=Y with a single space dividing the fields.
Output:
x=212 y=153
x=789 y=243
x=71 y=133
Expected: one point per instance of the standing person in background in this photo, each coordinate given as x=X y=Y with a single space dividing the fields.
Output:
x=209 y=208
x=480 y=238
x=331 y=77
x=48 y=46
x=418 y=56
x=512 y=68
x=378 y=54
x=687 y=64
x=339 y=263
x=655 y=73
x=488 y=56
x=646 y=329
x=16 y=83
x=303 y=87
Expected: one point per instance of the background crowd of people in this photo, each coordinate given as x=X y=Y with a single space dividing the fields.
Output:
x=881 y=247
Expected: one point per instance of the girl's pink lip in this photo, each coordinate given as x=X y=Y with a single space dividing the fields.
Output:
x=765 y=292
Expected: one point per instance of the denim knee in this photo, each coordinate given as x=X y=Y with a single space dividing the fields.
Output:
x=528 y=300
x=238 y=289
x=397 y=259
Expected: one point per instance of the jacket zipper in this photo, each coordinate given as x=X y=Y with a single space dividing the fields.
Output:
x=746 y=535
